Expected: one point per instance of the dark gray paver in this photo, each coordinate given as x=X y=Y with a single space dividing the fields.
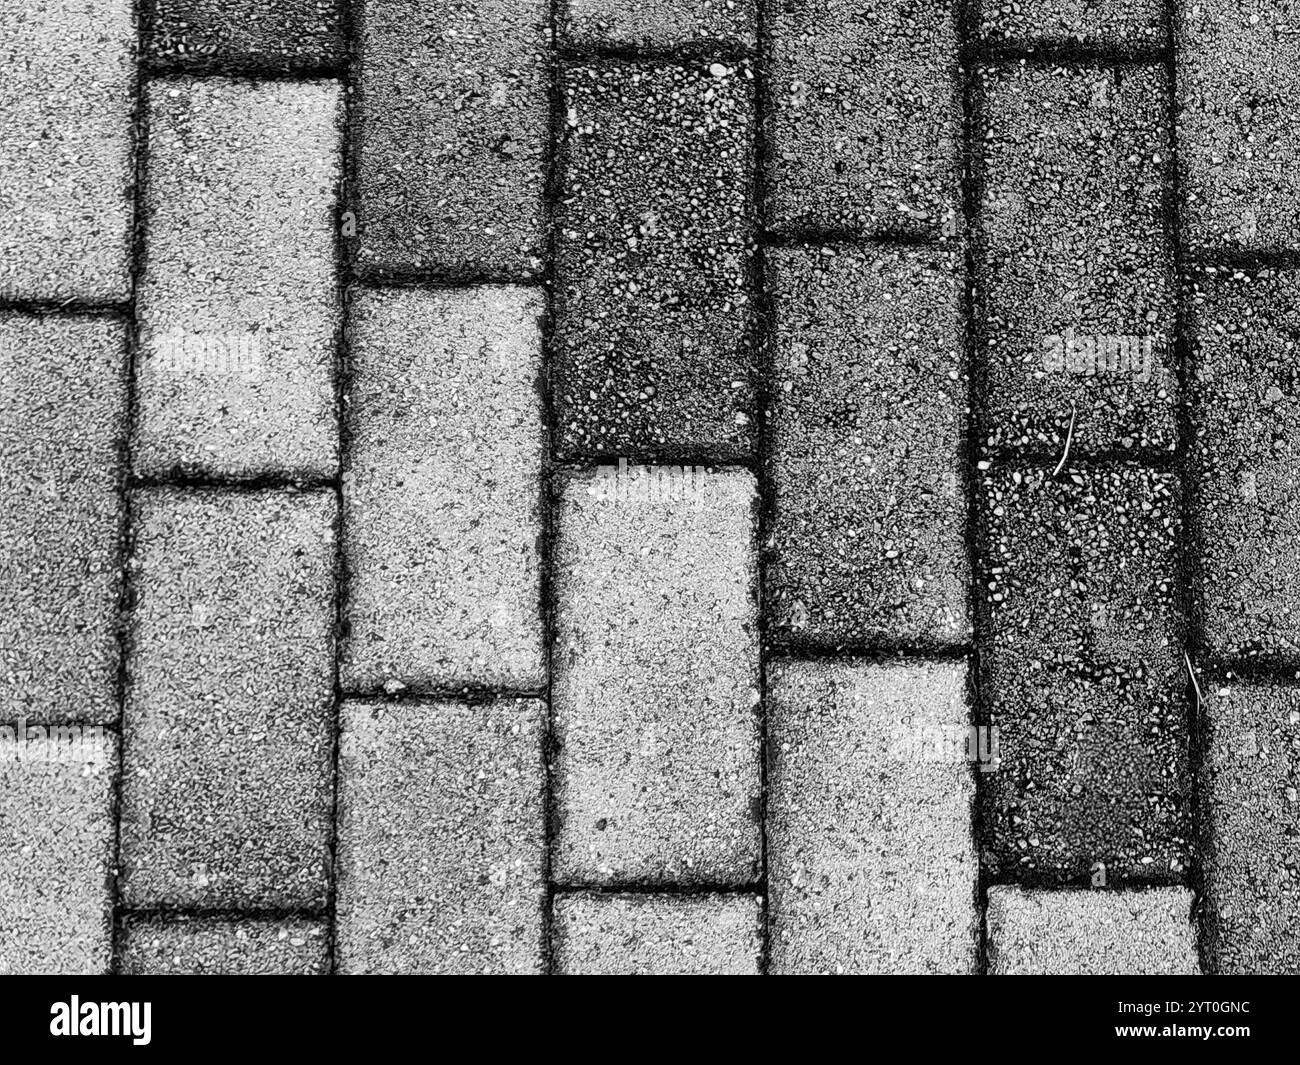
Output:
x=1074 y=264
x=441 y=837
x=1083 y=673
x=442 y=494
x=866 y=427
x=655 y=684
x=211 y=946
x=592 y=24
x=450 y=136
x=652 y=257
x=273 y=36
x=657 y=935
x=1115 y=25
x=871 y=860
x=62 y=426
x=226 y=789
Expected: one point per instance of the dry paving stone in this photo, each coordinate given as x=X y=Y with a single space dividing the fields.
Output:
x=211 y=946
x=594 y=24
x=1123 y=26
x=272 y=36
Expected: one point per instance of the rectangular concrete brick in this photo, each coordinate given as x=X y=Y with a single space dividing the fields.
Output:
x=867 y=535
x=1239 y=125
x=864 y=118
x=442 y=841
x=56 y=849
x=451 y=136
x=657 y=935
x=663 y=24
x=653 y=248
x=212 y=946
x=872 y=865
x=67 y=89
x=227 y=768
x=1091 y=933
x=1082 y=672
x=1125 y=26
x=237 y=303
x=267 y=36
x=655 y=688
x=442 y=493
x=1074 y=262
x=62 y=427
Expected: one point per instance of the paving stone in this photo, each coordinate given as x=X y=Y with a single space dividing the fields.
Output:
x=208 y=946
x=226 y=791
x=442 y=495
x=657 y=935
x=1117 y=25
x=865 y=433
x=1250 y=824
x=441 y=837
x=1239 y=125
x=1074 y=263
x=62 y=425
x=67 y=88
x=272 y=36
x=452 y=136
x=237 y=303
x=655 y=684
x=653 y=249
x=871 y=858
x=661 y=24
x=56 y=849
x=1083 y=674
x=1091 y=933
x=864 y=118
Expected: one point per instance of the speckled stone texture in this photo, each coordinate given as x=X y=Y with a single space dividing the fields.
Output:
x=1118 y=26
x=264 y=36
x=595 y=24
x=212 y=946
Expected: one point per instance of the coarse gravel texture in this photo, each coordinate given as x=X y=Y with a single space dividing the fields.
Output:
x=653 y=246
x=62 y=425
x=866 y=427
x=1074 y=259
x=1118 y=26
x=872 y=865
x=655 y=678
x=442 y=498
x=266 y=36
x=1091 y=933
x=658 y=24
x=442 y=837
x=657 y=935
x=216 y=946
x=226 y=790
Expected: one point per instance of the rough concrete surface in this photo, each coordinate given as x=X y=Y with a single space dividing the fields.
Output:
x=662 y=24
x=214 y=946
x=273 y=36
x=1119 y=26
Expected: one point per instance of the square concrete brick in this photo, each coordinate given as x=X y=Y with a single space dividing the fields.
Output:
x=62 y=427
x=865 y=435
x=1082 y=672
x=1074 y=262
x=442 y=841
x=1239 y=125
x=270 y=36
x=655 y=688
x=56 y=849
x=864 y=118
x=872 y=865
x=652 y=263
x=1091 y=933
x=1250 y=826
x=226 y=791
x=238 y=303
x=1124 y=26
x=664 y=24
x=657 y=935
x=442 y=494
x=67 y=89
x=451 y=136
x=212 y=946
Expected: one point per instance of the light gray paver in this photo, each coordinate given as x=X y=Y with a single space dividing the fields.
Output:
x=659 y=24
x=212 y=946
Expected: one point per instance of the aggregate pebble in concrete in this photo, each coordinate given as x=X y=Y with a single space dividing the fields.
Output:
x=210 y=946
x=442 y=495
x=1091 y=933
x=652 y=257
x=657 y=935
x=226 y=789
x=1239 y=125
x=867 y=419
x=237 y=303
x=441 y=837
x=62 y=424
x=872 y=864
x=1074 y=262
x=67 y=88
x=863 y=118
x=655 y=685
x=56 y=849
x=451 y=136
x=1123 y=26
x=1082 y=672
x=272 y=36
x=592 y=24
